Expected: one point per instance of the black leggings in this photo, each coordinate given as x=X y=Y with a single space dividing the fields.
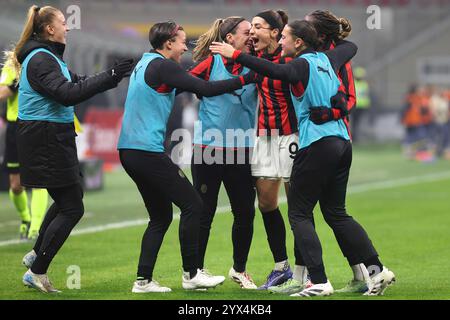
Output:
x=320 y=174
x=238 y=182
x=162 y=183
x=61 y=218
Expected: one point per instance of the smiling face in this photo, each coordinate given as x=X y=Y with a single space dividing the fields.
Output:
x=57 y=29
x=262 y=35
x=177 y=46
x=241 y=39
x=289 y=43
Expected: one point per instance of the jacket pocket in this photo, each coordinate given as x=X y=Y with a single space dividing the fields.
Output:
x=65 y=136
x=64 y=151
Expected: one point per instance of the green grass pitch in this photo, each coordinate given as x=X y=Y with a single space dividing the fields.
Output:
x=403 y=205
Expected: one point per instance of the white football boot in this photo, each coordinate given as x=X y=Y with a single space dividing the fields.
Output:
x=378 y=283
x=202 y=280
x=315 y=290
x=144 y=286
x=243 y=279
x=29 y=258
x=39 y=282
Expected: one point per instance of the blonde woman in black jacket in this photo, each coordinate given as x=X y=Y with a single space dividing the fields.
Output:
x=46 y=135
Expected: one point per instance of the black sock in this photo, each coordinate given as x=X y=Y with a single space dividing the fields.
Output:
x=40 y=265
x=149 y=279
x=276 y=233
x=192 y=273
x=239 y=267
x=144 y=274
x=317 y=274
x=373 y=265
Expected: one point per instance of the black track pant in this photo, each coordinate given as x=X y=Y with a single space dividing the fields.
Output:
x=320 y=174
x=162 y=183
x=61 y=218
x=238 y=182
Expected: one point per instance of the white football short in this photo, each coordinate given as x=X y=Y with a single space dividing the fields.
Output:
x=273 y=156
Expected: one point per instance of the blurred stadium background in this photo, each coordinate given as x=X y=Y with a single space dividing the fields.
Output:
x=405 y=63
x=412 y=46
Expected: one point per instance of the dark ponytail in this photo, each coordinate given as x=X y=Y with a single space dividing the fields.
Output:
x=284 y=17
x=346 y=28
x=329 y=25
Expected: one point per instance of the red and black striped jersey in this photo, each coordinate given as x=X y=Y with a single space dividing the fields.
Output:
x=203 y=68
x=276 y=110
x=347 y=86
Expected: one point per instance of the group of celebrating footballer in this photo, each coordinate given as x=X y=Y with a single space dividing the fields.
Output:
x=297 y=75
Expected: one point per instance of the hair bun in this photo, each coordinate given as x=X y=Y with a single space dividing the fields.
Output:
x=284 y=17
x=345 y=28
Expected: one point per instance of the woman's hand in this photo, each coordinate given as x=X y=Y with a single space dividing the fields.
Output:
x=223 y=49
x=122 y=69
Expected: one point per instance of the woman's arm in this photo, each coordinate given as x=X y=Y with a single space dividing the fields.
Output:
x=341 y=54
x=203 y=69
x=76 y=77
x=200 y=70
x=5 y=92
x=8 y=83
x=45 y=77
x=173 y=75
x=290 y=72
x=348 y=87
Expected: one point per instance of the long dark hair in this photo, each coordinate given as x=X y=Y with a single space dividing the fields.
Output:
x=329 y=25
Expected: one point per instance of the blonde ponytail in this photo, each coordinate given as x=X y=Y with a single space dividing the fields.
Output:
x=25 y=36
x=37 y=19
x=218 y=32
x=201 y=50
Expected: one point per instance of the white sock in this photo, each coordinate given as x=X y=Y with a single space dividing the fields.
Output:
x=300 y=274
x=360 y=272
x=281 y=266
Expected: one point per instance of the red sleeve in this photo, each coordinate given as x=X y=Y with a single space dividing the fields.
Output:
x=298 y=89
x=236 y=54
x=348 y=85
x=202 y=69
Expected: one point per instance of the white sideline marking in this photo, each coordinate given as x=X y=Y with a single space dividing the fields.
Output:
x=364 y=187
x=9 y=223
x=402 y=182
